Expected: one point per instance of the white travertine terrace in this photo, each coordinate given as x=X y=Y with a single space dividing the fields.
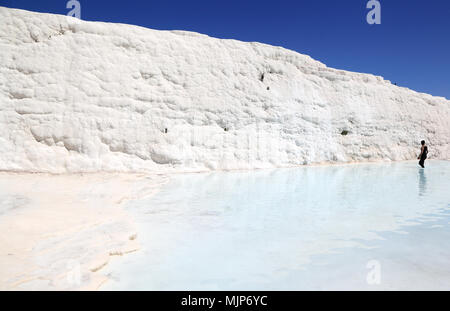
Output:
x=79 y=96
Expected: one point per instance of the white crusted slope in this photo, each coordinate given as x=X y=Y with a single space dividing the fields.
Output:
x=89 y=96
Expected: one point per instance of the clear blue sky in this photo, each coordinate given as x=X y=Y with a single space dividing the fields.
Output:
x=411 y=46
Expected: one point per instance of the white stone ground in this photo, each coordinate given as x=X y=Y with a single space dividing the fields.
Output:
x=58 y=232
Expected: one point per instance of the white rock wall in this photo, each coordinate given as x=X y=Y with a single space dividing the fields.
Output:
x=81 y=96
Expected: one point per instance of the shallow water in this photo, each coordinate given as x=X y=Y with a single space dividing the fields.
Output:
x=365 y=226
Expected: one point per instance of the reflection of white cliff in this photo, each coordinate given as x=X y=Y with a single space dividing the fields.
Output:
x=91 y=96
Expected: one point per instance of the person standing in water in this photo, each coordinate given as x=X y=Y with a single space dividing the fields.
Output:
x=423 y=154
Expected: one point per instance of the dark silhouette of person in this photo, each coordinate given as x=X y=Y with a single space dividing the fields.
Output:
x=423 y=154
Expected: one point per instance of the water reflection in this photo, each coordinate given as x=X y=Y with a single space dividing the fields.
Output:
x=422 y=182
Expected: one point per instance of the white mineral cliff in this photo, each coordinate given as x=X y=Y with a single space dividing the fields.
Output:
x=80 y=96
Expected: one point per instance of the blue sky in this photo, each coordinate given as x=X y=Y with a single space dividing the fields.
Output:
x=411 y=47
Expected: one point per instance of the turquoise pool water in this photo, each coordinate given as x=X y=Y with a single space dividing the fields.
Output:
x=364 y=226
